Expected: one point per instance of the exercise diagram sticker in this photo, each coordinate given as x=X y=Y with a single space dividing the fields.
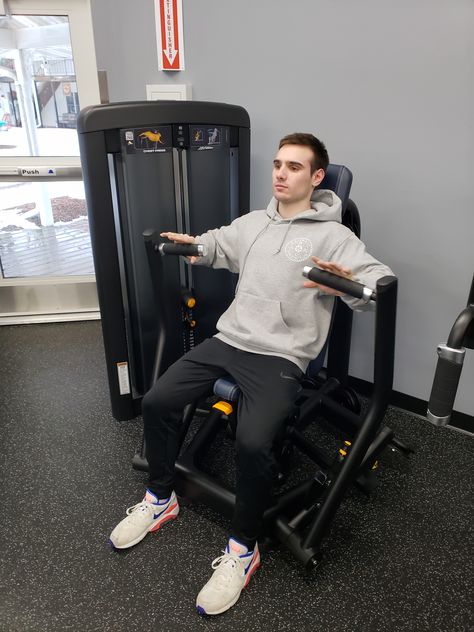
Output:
x=148 y=140
x=208 y=137
x=298 y=249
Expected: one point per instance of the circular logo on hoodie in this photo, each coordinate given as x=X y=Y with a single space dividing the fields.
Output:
x=298 y=249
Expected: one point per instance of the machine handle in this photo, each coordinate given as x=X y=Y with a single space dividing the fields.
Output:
x=187 y=250
x=353 y=288
x=445 y=385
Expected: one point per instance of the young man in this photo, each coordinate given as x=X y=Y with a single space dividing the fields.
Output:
x=274 y=327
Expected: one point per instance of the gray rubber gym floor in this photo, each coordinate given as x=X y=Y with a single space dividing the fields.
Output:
x=400 y=560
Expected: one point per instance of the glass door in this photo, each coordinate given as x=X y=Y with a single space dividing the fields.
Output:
x=47 y=73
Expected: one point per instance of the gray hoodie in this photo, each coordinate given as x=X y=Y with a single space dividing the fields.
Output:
x=272 y=313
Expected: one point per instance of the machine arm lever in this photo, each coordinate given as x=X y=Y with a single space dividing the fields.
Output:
x=172 y=248
x=353 y=288
x=187 y=250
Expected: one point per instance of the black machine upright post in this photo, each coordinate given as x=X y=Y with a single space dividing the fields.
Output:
x=385 y=322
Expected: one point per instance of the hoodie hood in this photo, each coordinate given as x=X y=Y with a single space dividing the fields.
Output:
x=326 y=206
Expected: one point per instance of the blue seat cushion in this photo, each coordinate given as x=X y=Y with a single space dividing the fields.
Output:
x=227 y=388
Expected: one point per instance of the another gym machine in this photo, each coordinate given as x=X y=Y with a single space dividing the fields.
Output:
x=450 y=362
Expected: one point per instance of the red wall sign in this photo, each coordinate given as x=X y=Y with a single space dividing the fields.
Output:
x=169 y=31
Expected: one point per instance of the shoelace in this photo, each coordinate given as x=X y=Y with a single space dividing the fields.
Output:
x=142 y=506
x=226 y=562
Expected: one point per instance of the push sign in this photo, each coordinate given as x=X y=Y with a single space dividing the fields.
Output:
x=37 y=171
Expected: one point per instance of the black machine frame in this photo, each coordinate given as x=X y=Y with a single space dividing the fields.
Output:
x=99 y=129
x=301 y=516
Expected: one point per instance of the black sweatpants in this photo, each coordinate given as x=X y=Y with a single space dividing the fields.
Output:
x=269 y=385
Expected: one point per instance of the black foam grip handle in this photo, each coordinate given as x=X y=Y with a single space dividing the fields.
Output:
x=187 y=250
x=336 y=282
x=445 y=386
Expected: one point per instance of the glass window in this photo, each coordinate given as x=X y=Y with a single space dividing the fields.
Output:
x=38 y=91
x=44 y=230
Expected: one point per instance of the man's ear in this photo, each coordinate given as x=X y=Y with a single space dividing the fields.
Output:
x=318 y=177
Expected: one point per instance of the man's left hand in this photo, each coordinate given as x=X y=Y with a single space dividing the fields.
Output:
x=329 y=266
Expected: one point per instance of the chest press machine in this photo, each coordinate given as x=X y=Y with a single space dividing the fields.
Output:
x=300 y=516
x=133 y=182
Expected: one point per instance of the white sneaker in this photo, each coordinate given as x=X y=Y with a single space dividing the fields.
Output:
x=233 y=572
x=149 y=515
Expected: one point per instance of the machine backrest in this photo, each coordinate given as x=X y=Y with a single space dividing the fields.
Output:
x=338 y=179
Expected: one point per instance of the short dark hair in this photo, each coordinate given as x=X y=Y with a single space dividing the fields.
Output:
x=320 y=154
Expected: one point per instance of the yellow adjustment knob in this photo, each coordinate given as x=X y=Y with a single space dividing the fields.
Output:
x=348 y=443
x=225 y=407
x=343 y=452
x=192 y=324
x=187 y=297
x=375 y=465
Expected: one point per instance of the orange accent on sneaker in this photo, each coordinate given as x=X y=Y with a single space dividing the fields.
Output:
x=234 y=546
x=253 y=567
x=165 y=518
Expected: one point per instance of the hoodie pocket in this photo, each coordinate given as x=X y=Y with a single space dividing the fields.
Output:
x=257 y=321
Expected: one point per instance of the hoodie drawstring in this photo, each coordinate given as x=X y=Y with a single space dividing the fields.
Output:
x=284 y=237
x=248 y=252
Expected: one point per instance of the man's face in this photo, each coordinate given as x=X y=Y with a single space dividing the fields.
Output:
x=292 y=177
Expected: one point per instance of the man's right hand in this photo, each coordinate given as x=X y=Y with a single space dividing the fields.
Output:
x=181 y=238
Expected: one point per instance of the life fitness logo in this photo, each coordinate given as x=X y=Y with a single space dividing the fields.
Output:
x=298 y=249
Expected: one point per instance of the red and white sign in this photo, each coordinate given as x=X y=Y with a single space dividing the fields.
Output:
x=169 y=33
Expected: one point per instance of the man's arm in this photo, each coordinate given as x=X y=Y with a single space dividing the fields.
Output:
x=350 y=259
x=222 y=246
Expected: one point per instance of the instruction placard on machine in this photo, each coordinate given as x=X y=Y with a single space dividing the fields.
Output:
x=206 y=137
x=148 y=140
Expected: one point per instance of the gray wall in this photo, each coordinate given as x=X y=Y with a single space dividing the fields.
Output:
x=388 y=86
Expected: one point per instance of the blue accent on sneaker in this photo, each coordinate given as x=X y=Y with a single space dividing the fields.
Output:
x=162 y=501
x=201 y=611
x=113 y=546
x=157 y=515
x=250 y=562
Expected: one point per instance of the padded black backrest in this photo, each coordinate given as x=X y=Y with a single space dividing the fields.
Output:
x=338 y=179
